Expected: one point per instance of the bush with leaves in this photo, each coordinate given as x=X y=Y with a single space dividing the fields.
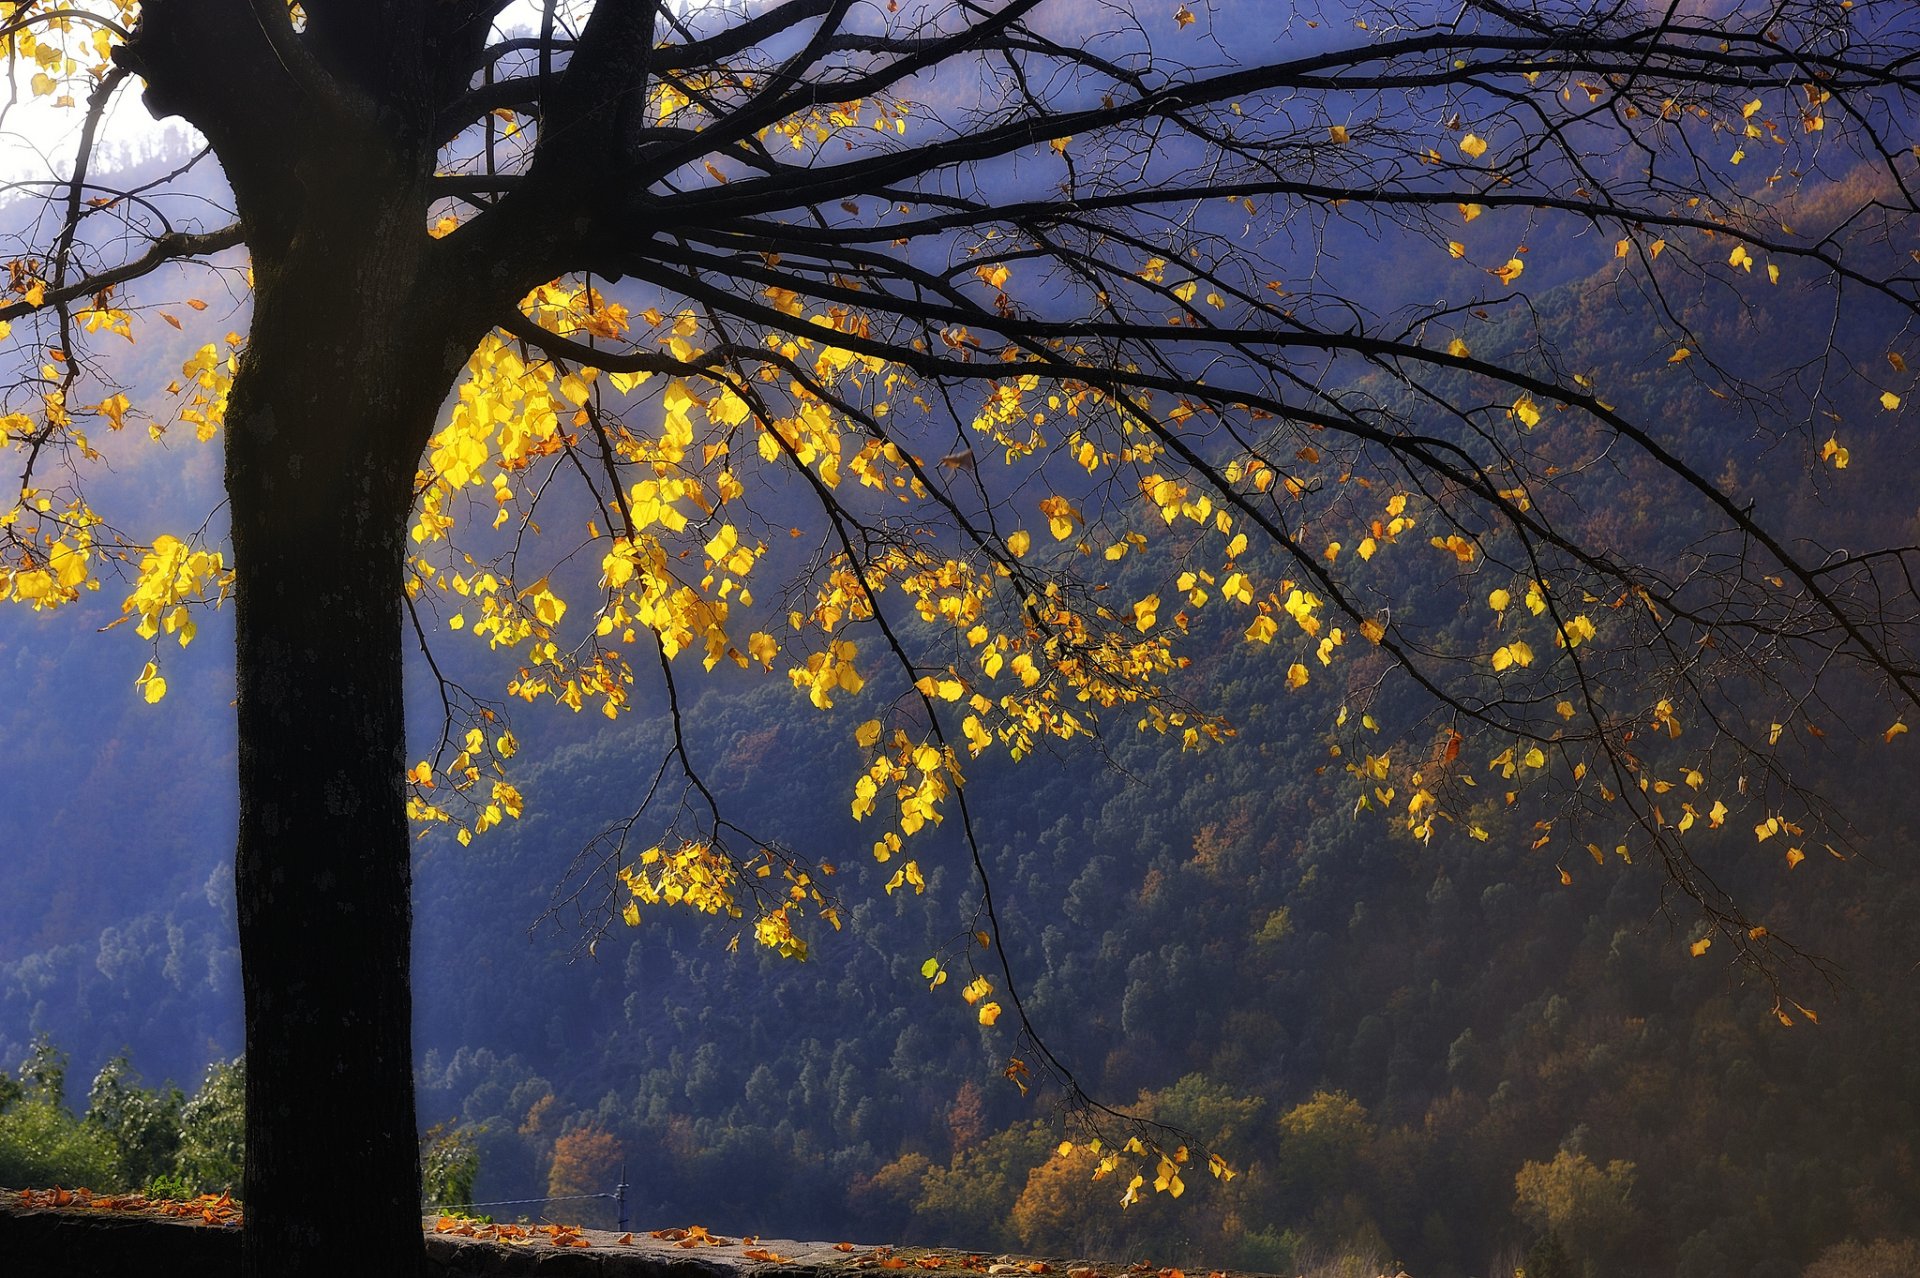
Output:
x=141 y=1124
x=41 y=1142
x=449 y=1162
x=213 y=1131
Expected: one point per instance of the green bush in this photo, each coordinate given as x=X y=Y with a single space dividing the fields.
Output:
x=213 y=1130
x=142 y=1125
x=42 y=1145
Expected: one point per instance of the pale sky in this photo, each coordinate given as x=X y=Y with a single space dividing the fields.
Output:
x=37 y=139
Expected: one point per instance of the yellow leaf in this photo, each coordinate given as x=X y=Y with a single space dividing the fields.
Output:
x=1458 y=349
x=1680 y=354
x=1740 y=258
x=1700 y=946
x=1473 y=146
x=1183 y=16
x=867 y=733
x=1511 y=271
x=1499 y=600
x=1833 y=452
x=1517 y=653
x=1296 y=676
x=1018 y=543
x=1146 y=612
x=1899 y=726
x=1337 y=133
x=989 y=1013
x=1794 y=857
x=1889 y=400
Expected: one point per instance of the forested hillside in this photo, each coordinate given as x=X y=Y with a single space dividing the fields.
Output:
x=1463 y=1054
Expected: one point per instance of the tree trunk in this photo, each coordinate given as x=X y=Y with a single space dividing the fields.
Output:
x=332 y=405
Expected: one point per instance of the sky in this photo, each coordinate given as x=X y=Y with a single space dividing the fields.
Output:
x=37 y=139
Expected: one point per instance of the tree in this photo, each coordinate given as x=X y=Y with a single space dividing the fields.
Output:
x=449 y=1162
x=584 y=1162
x=41 y=1143
x=1585 y=1207
x=979 y=304
x=143 y=1125
x=213 y=1130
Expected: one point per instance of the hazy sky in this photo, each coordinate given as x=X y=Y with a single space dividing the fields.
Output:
x=37 y=139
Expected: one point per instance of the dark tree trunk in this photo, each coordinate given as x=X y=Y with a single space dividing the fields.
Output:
x=361 y=322
x=346 y=366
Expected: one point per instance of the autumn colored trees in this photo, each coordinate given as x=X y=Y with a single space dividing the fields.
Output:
x=872 y=347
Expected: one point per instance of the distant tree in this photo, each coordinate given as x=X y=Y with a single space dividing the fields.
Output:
x=586 y=1160
x=213 y=1130
x=987 y=298
x=886 y=1199
x=1323 y=1141
x=43 y=1074
x=1882 y=1258
x=971 y=1200
x=1061 y=1212
x=967 y=1116
x=142 y=1125
x=41 y=1142
x=449 y=1163
x=1586 y=1209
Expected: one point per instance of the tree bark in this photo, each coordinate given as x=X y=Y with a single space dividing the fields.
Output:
x=334 y=400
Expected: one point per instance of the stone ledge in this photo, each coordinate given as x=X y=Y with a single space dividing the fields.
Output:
x=45 y=1242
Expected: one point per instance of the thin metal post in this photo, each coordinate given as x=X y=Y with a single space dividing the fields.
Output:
x=620 y=1196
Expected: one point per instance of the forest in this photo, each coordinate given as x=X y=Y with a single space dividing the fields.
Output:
x=1441 y=1055
x=1462 y=1049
